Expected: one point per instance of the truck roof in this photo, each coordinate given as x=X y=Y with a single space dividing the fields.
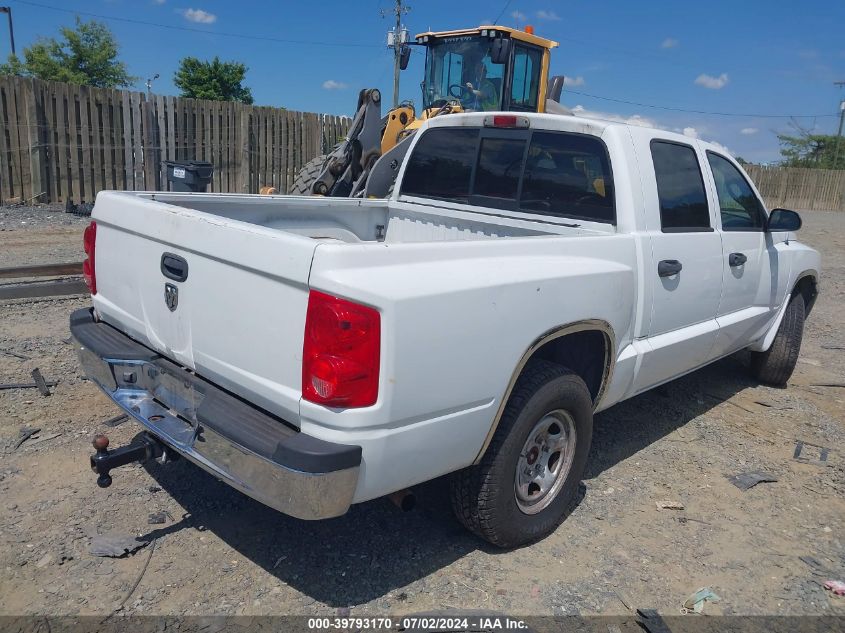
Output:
x=568 y=122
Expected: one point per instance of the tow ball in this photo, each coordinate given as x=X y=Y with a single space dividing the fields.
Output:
x=143 y=449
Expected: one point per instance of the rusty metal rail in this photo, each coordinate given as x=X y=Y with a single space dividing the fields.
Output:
x=41 y=270
x=35 y=290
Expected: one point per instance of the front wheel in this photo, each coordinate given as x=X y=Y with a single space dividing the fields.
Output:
x=527 y=480
x=776 y=364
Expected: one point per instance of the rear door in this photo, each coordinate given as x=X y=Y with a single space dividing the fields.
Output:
x=685 y=271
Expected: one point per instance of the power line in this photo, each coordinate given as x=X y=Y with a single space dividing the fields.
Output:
x=502 y=12
x=250 y=36
x=737 y=114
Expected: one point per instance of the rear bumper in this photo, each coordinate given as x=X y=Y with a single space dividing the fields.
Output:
x=245 y=447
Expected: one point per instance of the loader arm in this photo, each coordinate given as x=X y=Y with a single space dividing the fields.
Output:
x=346 y=168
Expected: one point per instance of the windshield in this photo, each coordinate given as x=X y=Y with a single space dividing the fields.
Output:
x=460 y=69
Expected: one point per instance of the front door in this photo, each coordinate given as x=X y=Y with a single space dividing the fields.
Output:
x=746 y=305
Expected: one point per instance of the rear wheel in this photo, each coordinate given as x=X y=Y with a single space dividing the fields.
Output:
x=307 y=175
x=776 y=364
x=527 y=480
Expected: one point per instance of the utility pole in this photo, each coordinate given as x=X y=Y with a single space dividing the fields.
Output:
x=397 y=39
x=150 y=81
x=841 y=84
x=8 y=11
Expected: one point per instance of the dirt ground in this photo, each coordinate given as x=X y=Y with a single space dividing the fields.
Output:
x=767 y=550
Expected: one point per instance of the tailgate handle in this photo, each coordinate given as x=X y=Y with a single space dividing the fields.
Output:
x=174 y=267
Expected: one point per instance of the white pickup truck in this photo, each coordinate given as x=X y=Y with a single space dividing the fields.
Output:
x=525 y=272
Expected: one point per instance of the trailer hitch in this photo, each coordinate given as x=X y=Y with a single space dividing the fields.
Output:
x=144 y=448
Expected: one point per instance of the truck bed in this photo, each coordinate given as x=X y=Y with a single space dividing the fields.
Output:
x=355 y=220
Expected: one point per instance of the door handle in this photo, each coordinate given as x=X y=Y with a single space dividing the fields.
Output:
x=737 y=259
x=174 y=267
x=669 y=267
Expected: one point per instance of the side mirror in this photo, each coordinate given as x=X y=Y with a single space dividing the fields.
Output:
x=783 y=220
x=500 y=50
x=404 y=57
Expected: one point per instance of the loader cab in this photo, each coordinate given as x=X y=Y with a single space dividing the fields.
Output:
x=485 y=69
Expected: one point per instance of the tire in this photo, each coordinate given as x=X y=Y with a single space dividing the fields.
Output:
x=776 y=364
x=307 y=175
x=485 y=497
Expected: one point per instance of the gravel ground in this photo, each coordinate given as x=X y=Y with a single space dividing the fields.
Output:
x=219 y=552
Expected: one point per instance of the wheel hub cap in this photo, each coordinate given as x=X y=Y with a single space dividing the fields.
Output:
x=545 y=461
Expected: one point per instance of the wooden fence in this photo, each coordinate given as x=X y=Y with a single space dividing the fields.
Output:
x=61 y=141
x=800 y=189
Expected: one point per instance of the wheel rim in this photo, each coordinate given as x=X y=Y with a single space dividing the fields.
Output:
x=545 y=461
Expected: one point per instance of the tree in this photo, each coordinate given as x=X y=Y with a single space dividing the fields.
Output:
x=85 y=55
x=216 y=80
x=811 y=150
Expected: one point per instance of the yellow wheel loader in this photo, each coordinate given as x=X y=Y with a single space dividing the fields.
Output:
x=489 y=68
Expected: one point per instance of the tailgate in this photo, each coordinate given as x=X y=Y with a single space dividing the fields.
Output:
x=237 y=318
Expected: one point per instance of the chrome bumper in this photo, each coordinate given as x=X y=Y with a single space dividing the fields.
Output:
x=245 y=447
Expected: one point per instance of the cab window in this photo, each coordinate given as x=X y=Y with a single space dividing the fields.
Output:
x=739 y=207
x=680 y=188
x=526 y=78
x=441 y=164
x=558 y=174
x=568 y=175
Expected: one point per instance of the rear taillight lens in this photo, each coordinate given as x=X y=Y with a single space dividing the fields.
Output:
x=89 y=242
x=341 y=352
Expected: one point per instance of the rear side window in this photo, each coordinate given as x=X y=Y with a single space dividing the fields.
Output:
x=559 y=173
x=680 y=188
x=441 y=164
x=568 y=175
x=739 y=207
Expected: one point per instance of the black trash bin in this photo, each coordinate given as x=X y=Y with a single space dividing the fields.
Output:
x=188 y=175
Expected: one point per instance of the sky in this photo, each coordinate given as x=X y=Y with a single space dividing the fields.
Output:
x=692 y=59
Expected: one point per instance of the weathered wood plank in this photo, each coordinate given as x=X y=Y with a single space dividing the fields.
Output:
x=6 y=179
x=17 y=139
x=151 y=167
x=161 y=141
x=137 y=143
x=128 y=150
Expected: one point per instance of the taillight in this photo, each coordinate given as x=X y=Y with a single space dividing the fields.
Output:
x=341 y=352
x=89 y=242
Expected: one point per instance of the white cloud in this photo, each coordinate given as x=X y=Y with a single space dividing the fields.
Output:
x=573 y=81
x=519 y=16
x=633 y=119
x=199 y=16
x=748 y=131
x=669 y=42
x=713 y=83
x=547 y=15
x=638 y=119
x=331 y=84
x=721 y=147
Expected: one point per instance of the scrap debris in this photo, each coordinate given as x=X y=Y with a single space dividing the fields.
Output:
x=116 y=420
x=823 y=453
x=837 y=587
x=115 y=545
x=669 y=505
x=15 y=354
x=40 y=382
x=744 y=481
x=25 y=433
x=695 y=603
